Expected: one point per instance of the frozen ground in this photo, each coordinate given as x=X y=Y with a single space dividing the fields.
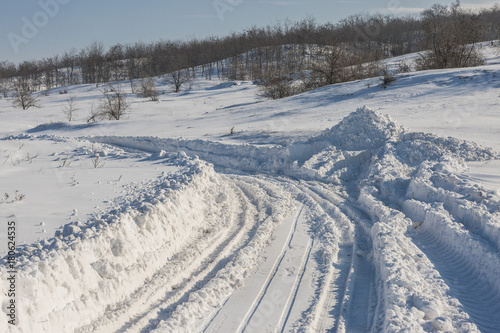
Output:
x=316 y=215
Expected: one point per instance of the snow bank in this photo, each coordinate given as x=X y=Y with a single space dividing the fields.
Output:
x=272 y=159
x=66 y=282
x=410 y=166
x=469 y=204
x=414 y=298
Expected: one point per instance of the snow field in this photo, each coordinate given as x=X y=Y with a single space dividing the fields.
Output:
x=57 y=176
x=361 y=252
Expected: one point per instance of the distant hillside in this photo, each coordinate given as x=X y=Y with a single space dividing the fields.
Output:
x=331 y=53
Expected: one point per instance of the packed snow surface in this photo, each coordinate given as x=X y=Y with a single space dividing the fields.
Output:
x=167 y=222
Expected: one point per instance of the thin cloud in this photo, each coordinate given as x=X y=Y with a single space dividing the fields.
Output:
x=479 y=6
x=401 y=10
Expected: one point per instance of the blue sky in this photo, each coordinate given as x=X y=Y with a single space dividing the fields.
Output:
x=34 y=29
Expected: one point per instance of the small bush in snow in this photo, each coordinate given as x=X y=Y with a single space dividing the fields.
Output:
x=178 y=78
x=148 y=89
x=16 y=198
x=96 y=161
x=278 y=87
x=112 y=105
x=4 y=90
x=404 y=67
x=387 y=79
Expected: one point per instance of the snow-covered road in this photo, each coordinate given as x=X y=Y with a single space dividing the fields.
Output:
x=366 y=227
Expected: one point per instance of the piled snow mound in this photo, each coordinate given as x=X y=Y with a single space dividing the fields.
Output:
x=419 y=208
x=349 y=149
x=362 y=130
x=423 y=215
x=366 y=129
x=414 y=148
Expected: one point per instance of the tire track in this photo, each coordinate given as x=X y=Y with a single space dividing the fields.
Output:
x=295 y=290
x=352 y=295
x=274 y=271
x=265 y=287
x=156 y=296
x=324 y=215
x=479 y=298
x=284 y=315
x=270 y=204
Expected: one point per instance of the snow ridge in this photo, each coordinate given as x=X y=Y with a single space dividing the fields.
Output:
x=85 y=269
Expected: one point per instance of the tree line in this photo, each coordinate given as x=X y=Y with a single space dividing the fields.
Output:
x=326 y=53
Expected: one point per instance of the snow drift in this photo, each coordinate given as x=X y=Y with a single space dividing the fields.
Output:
x=66 y=281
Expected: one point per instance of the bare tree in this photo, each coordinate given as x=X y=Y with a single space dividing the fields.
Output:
x=451 y=34
x=178 y=78
x=329 y=67
x=93 y=64
x=69 y=109
x=69 y=62
x=4 y=90
x=23 y=96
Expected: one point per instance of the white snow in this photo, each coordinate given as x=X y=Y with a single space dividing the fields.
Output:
x=350 y=208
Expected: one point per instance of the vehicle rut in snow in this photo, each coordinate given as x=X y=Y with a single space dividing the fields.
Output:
x=160 y=298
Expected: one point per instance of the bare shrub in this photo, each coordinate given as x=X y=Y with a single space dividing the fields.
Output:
x=95 y=157
x=4 y=89
x=178 y=78
x=404 y=67
x=148 y=89
x=331 y=66
x=112 y=105
x=386 y=79
x=276 y=87
x=23 y=96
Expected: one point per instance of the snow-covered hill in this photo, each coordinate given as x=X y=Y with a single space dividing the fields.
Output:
x=216 y=211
